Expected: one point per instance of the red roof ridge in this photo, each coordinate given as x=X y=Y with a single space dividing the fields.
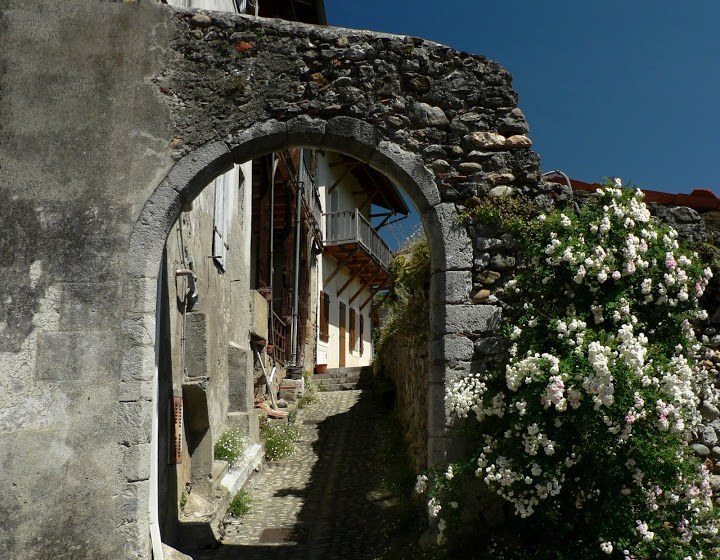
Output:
x=701 y=200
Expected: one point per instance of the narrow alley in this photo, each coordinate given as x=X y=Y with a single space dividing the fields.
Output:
x=346 y=492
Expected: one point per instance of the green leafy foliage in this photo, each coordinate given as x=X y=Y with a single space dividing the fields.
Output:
x=241 y=504
x=405 y=302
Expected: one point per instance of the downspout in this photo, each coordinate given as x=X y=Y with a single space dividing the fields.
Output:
x=296 y=295
x=271 y=330
x=155 y=537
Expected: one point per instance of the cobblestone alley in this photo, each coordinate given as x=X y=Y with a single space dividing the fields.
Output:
x=332 y=499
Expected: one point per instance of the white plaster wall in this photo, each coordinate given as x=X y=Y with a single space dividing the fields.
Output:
x=329 y=352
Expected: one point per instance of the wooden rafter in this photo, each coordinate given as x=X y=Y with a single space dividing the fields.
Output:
x=340 y=265
x=344 y=174
x=373 y=292
x=365 y=285
x=346 y=284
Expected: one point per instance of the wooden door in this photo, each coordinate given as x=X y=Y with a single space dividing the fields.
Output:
x=341 y=324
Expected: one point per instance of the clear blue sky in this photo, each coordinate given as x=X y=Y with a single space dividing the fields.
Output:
x=625 y=88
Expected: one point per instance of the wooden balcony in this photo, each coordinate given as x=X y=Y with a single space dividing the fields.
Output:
x=351 y=240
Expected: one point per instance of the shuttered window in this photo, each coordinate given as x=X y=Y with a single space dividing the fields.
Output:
x=221 y=220
x=324 y=316
x=352 y=330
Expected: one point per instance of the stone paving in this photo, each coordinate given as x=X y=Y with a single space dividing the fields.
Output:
x=324 y=502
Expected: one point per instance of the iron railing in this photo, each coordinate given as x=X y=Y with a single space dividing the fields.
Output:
x=350 y=226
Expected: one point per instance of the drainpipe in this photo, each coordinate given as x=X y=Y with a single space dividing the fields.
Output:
x=271 y=331
x=296 y=296
x=155 y=537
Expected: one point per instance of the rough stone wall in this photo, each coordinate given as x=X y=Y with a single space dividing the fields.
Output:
x=404 y=359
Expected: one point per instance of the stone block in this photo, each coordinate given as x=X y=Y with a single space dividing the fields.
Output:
x=136 y=538
x=194 y=172
x=466 y=319
x=130 y=391
x=258 y=140
x=133 y=501
x=437 y=450
x=450 y=245
x=437 y=423
x=151 y=231
x=240 y=378
x=248 y=422
x=306 y=132
x=136 y=462
x=142 y=294
x=140 y=329
x=451 y=348
x=196 y=354
x=452 y=286
x=407 y=171
x=138 y=364
x=351 y=136
x=259 y=311
x=134 y=422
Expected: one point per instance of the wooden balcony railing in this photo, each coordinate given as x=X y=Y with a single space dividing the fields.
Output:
x=349 y=226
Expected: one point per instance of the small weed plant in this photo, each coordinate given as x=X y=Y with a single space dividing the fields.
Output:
x=241 y=504
x=310 y=392
x=230 y=446
x=279 y=438
x=584 y=430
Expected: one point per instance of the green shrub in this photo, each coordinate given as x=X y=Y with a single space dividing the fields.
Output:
x=406 y=299
x=230 y=446
x=279 y=438
x=241 y=504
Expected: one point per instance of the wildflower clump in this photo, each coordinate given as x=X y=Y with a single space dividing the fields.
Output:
x=585 y=431
x=230 y=446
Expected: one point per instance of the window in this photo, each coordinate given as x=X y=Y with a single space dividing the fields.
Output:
x=362 y=334
x=324 y=316
x=352 y=330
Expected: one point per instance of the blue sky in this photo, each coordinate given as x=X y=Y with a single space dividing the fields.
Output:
x=623 y=88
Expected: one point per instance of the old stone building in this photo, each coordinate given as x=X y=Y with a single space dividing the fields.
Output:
x=116 y=116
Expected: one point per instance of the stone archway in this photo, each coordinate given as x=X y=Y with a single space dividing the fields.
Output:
x=346 y=135
x=441 y=154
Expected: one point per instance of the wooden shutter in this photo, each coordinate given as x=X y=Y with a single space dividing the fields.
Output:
x=324 y=315
x=362 y=333
x=352 y=330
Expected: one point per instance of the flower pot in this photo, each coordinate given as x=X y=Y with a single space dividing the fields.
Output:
x=320 y=368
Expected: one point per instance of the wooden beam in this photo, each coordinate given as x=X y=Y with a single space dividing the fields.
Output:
x=373 y=292
x=340 y=265
x=346 y=284
x=344 y=174
x=365 y=285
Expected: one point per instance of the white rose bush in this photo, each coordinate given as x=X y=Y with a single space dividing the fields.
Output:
x=584 y=432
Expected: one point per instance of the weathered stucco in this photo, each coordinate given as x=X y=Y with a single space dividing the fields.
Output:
x=115 y=115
